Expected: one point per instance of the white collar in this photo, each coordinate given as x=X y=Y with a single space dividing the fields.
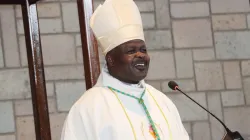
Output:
x=105 y=80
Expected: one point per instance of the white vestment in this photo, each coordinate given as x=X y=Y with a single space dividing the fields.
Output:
x=101 y=115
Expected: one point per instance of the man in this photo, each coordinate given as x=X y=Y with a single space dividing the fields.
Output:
x=121 y=106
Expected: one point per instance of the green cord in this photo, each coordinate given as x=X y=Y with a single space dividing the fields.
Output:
x=141 y=101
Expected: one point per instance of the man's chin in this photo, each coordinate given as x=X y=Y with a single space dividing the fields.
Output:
x=140 y=77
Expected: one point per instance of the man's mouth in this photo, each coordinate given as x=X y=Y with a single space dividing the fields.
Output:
x=140 y=66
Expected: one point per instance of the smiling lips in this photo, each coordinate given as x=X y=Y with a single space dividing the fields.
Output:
x=140 y=66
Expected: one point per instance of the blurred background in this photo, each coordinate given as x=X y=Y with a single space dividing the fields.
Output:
x=204 y=45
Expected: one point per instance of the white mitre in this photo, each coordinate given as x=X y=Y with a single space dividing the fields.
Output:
x=116 y=22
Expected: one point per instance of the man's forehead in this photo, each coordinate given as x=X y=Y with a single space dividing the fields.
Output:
x=127 y=45
x=134 y=43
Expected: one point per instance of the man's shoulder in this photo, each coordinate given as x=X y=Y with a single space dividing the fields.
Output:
x=159 y=95
x=93 y=93
x=154 y=91
x=92 y=97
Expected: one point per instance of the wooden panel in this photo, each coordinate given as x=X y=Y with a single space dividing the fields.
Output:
x=89 y=45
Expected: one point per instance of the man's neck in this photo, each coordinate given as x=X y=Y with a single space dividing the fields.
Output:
x=125 y=81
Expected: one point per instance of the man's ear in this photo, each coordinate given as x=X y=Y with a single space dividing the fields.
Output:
x=110 y=60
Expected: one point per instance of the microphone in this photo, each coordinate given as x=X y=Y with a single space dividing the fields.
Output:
x=233 y=135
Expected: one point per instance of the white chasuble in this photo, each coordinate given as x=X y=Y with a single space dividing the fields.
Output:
x=104 y=114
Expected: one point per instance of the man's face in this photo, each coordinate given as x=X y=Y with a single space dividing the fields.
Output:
x=129 y=62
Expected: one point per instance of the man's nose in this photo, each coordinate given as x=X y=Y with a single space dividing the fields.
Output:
x=140 y=54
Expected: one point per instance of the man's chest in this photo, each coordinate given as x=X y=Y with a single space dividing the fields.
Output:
x=129 y=120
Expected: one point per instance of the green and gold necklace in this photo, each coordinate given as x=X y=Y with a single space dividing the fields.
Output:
x=141 y=101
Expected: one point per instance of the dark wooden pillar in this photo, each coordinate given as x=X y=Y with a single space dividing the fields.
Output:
x=36 y=68
x=89 y=44
x=36 y=71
